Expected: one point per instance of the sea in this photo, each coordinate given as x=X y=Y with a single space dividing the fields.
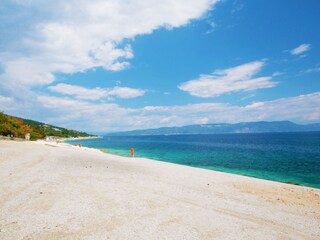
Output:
x=284 y=157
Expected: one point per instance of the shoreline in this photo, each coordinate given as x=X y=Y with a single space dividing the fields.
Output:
x=63 y=143
x=67 y=192
x=290 y=182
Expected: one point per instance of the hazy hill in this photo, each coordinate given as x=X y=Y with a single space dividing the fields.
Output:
x=246 y=127
x=38 y=130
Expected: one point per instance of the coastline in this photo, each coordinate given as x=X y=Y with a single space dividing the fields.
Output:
x=62 y=191
x=209 y=169
x=270 y=176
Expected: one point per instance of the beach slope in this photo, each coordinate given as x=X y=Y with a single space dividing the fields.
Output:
x=59 y=191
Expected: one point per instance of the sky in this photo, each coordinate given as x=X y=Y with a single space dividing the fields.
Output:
x=115 y=65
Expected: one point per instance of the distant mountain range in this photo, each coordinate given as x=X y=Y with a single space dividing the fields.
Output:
x=217 y=128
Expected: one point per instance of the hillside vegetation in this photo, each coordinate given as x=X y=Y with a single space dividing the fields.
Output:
x=19 y=127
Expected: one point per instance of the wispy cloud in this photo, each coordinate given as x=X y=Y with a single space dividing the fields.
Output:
x=312 y=70
x=301 y=49
x=238 y=6
x=96 y=93
x=211 y=26
x=239 y=78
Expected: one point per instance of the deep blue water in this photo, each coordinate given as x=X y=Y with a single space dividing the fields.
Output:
x=284 y=157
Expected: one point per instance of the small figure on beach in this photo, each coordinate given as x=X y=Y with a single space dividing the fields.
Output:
x=132 y=152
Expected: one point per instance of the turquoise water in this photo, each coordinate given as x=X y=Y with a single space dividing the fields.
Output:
x=284 y=157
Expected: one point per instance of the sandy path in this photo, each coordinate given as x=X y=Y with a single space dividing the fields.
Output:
x=65 y=192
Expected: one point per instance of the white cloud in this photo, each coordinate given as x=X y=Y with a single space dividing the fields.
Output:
x=106 y=117
x=125 y=92
x=96 y=93
x=229 y=80
x=6 y=103
x=28 y=71
x=255 y=105
x=68 y=36
x=79 y=92
x=301 y=49
x=5 y=99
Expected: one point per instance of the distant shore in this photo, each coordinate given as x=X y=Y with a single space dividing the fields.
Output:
x=60 y=191
x=80 y=138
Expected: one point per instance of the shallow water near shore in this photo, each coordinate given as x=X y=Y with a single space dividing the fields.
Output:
x=283 y=157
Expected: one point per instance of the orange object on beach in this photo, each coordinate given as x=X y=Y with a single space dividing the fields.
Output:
x=132 y=152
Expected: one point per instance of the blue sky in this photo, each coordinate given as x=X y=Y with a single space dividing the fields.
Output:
x=106 y=65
